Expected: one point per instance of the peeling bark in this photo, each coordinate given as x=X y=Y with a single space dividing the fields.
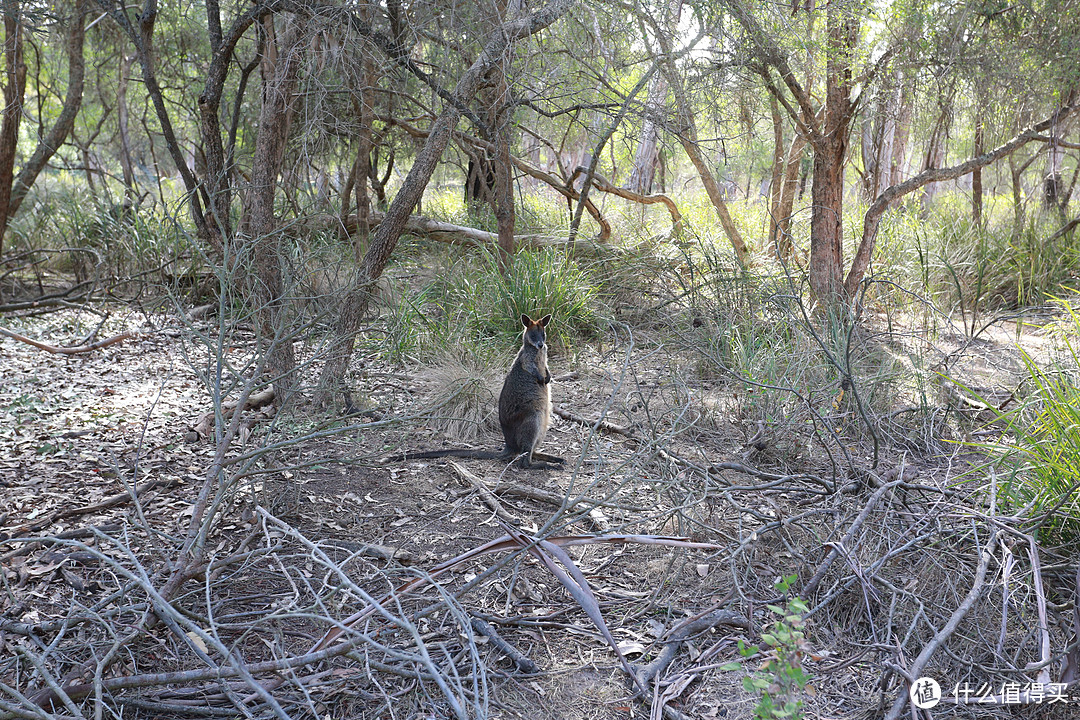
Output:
x=280 y=67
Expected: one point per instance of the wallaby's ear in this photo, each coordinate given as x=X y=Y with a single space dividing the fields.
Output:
x=526 y=321
x=542 y=322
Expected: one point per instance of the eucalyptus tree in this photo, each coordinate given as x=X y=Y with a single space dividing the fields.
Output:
x=66 y=29
x=858 y=46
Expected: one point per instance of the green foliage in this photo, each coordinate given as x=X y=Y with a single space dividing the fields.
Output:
x=89 y=235
x=779 y=679
x=971 y=269
x=474 y=306
x=1046 y=455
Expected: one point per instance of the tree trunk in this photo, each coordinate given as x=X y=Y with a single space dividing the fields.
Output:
x=366 y=116
x=976 y=174
x=903 y=129
x=1016 y=173
x=647 y=155
x=500 y=120
x=126 y=164
x=65 y=120
x=826 y=223
x=1053 y=184
x=385 y=238
x=280 y=67
x=504 y=177
x=784 y=209
x=827 y=193
x=936 y=149
x=775 y=189
x=878 y=133
x=14 y=91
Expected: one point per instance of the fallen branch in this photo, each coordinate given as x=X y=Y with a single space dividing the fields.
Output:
x=523 y=663
x=77 y=350
x=89 y=509
x=681 y=633
x=950 y=627
x=449 y=233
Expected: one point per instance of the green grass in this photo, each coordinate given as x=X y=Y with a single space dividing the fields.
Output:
x=966 y=269
x=1045 y=455
x=469 y=304
x=91 y=235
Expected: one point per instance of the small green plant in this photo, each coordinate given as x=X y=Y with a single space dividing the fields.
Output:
x=779 y=679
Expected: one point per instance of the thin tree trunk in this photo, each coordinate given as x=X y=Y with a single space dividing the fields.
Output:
x=785 y=208
x=346 y=202
x=366 y=116
x=976 y=174
x=1054 y=195
x=775 y=188
x=65 y=120
x=500 y=120
x=14 y=92
x=280 y=70
x=903 y=129
x=126 y=164
x=647 y=156
x=504 y=177
x=935 y=150
x=1016 y=173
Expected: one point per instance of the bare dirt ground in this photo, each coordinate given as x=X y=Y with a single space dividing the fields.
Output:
x=100 y=481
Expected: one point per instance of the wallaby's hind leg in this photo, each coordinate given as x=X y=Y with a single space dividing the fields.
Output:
x=526 y=437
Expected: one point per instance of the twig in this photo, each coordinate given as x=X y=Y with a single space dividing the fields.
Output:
x=813 y=583
x=89 y=509
x=74 y=534
x=523 y=663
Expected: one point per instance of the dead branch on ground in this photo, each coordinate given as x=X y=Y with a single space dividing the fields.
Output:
x=77 y=350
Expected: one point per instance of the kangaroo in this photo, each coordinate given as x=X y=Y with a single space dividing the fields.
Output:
x=524 y=406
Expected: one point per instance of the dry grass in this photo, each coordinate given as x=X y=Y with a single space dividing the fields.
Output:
x=463 y=391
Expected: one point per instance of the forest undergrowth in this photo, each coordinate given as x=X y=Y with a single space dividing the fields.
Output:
x=765 y=510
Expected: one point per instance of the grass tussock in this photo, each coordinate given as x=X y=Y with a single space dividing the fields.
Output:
x=463 y=391
x=470 y=305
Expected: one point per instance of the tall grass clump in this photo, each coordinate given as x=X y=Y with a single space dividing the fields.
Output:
x=1045 y=453
x=475 y=302
x=966 y=268
x=88 y=234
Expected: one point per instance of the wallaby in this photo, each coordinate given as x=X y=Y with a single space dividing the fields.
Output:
x=524 y=405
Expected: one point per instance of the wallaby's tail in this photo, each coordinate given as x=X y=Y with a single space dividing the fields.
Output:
x=457 y=452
